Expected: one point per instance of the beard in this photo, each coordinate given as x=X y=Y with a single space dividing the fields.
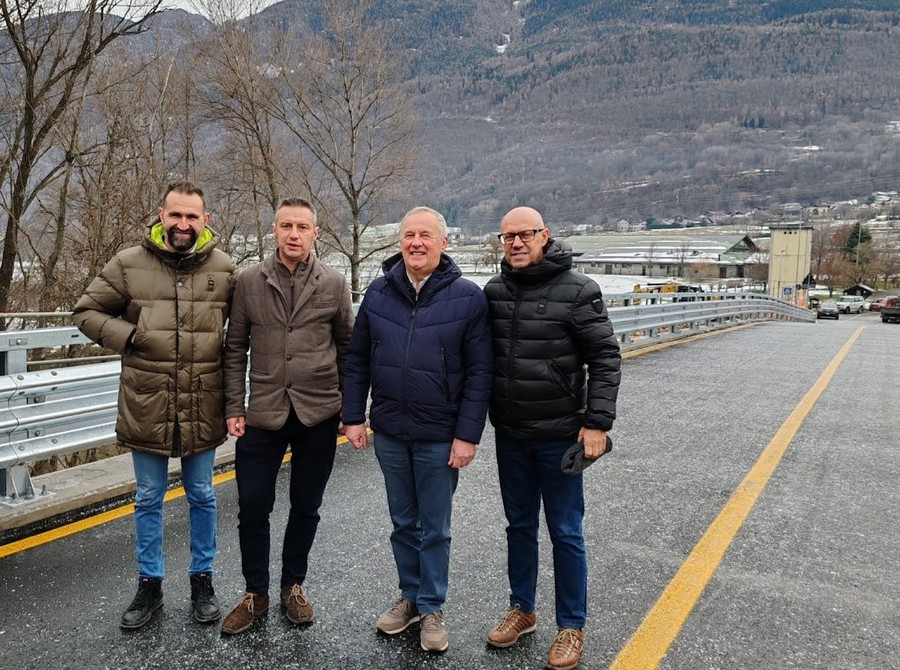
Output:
x=181 y=241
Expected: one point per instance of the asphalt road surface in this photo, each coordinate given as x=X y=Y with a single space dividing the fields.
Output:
x=799 y=571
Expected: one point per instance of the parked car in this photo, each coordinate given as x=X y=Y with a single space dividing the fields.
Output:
x=890 y=311
x=828 y=310
x=850 y=304
x=876 y=305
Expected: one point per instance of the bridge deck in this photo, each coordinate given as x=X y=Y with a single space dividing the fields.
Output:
x=808 y=580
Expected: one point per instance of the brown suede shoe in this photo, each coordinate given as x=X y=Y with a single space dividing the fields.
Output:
x=513 y=624
x=249 y=608
x=297 y=607
x=398 y=618
x=566 y=650
x=433 y=635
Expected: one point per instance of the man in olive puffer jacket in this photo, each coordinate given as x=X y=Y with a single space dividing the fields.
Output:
x=556 y=378
x=162 y=305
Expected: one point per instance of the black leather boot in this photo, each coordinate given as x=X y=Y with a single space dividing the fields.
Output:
x=203 y=598
x=147 y=600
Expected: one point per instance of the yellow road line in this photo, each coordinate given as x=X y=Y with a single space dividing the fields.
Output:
x=663 y=622
x=106 y=517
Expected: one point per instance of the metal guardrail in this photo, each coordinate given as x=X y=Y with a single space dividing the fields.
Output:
x=52 y=412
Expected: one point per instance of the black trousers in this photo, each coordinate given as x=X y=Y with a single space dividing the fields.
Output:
x=258 y=457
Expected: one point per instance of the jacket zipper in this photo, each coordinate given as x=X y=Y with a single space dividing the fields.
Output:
x=176 y=429
x=412 y=326
x=514 y=337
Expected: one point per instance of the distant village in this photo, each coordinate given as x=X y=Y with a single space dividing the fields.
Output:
x=728 y=248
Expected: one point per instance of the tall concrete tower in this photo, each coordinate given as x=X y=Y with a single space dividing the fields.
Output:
x=790 y=257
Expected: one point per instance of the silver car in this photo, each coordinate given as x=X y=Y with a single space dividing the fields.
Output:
x=851 y=304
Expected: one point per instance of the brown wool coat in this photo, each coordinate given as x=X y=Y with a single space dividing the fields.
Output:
x=297 y=354
x=171 y=394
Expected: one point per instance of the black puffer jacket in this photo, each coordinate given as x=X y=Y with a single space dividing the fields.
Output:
x=548 y=322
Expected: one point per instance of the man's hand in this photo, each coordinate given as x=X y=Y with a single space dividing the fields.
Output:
x=461 y=453
x=357 y=435
x=594 y=442
x=236 y=426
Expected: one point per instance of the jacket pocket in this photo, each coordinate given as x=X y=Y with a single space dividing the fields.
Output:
x=210 y=394
x=143 y=406
x=451 y=376
x=559 y=378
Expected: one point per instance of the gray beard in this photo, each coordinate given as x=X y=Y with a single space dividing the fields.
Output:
x=181 y=244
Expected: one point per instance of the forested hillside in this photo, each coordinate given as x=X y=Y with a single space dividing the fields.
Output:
x=636 y=108
x=629 y=109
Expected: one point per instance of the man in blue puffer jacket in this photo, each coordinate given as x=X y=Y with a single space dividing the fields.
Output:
x=422 y=343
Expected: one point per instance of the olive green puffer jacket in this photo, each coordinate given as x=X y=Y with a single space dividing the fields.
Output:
x=164 y=312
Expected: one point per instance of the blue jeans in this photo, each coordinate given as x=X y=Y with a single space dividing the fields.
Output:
x=152 y=475
x=420 y=487
x=529 y=472
x=258 y=458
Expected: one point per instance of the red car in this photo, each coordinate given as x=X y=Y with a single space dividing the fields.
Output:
x=876 y=305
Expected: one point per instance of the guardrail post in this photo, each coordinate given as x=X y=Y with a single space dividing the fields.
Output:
x=13 y=361
x=15 y=485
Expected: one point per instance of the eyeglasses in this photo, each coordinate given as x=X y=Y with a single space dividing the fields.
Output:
x=524 y=235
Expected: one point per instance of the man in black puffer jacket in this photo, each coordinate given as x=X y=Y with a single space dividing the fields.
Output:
x=556 y=378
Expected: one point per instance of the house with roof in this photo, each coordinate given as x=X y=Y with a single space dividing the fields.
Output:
x=723 y=256
x=860 y=289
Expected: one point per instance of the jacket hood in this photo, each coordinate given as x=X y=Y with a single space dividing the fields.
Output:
x=206 y=240
x=557 y=258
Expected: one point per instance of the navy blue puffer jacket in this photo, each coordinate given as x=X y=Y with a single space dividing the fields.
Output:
x=427 y=358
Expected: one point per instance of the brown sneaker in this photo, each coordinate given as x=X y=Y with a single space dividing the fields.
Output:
x=297 y=607
x=513 y=624
x=398 y=618
x=249 y=608
x=565 y=652
x=433 y=634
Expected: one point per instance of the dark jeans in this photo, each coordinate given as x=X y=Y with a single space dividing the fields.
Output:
x=258 y=457
x=529 y=472
x=420 y=487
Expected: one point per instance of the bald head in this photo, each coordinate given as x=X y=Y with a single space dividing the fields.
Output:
x=527 y=216
x=524 y=237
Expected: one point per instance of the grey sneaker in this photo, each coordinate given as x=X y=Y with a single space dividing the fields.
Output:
x=433 y=634
x=397 y=619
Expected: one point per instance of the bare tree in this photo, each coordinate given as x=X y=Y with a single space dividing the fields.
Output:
x=343 y=101
x=52 y=46
x=758 y=272
x=115 y=137
x=821 y=247
x=682 y=252
x=257 y=162
x=493 y=253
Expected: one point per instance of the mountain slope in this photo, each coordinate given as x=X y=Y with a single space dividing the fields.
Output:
x=631 y=108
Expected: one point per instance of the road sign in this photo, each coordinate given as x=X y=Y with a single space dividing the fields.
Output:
x=787 y=291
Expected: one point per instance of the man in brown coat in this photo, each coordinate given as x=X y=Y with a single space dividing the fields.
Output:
x=162 y=305
x=293 y=314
